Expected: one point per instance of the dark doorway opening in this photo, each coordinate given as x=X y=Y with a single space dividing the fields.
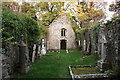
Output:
x=63 y=44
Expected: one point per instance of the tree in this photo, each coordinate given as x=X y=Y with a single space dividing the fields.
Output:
x=15 y=25
x=29 y=9
x=115 y=7
x=89 y=13
x=48 y=11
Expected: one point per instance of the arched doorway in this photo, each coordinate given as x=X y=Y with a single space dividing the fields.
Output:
x=62 y=44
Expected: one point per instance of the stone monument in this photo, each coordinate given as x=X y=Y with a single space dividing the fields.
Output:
x=33 y=54
x=84 y=48
x=23 y=57
x=43 y=48
x=38 y=52
x=102 y=63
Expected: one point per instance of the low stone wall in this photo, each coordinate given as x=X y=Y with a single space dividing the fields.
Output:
x=6 y=68
x=53 y=50
x=11 y=61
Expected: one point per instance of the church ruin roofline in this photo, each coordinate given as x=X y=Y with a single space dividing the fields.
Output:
x=64 y=14
x=57 y=18
x=58 y=39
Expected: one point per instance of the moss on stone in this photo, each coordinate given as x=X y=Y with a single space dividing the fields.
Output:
x=84 y=70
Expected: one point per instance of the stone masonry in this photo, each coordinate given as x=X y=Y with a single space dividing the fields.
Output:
x=54 y=33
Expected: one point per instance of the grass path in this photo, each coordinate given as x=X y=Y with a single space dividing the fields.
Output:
x=55 y=65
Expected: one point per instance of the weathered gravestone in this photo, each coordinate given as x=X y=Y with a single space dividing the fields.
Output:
x=113 y=46
x=43 y=48
x=102 y=63
x=23 y=57
x=38 y=52
x=33 y=55
x=84 y=45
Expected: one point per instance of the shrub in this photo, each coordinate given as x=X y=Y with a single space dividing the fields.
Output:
x=14 y=25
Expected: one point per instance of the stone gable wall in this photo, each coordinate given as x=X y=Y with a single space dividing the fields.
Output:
x=54 y=33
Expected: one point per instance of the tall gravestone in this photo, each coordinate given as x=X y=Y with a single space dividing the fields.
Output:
x=84 y=45
x=33 y=54
x=38 y=52
x=102 y=63
x=23 y=57
x=43 y=48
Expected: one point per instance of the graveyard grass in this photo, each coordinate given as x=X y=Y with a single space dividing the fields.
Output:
x=55 y=65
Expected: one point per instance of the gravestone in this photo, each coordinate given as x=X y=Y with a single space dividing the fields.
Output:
x=79 y=43
x=102 y=42
x=23 y=57
x=39 y=51
x=67 y=51
x=88 y=46
x=84 y=45
x=102 y=63
x=33 y=54
x=43 y=48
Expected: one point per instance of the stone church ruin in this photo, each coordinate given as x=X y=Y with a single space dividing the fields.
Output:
x=61 y=34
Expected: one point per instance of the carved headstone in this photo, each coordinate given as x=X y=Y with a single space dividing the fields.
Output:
x=102 y=64
x=33 y=55
x=39 y=51
x=79 y=43
x=84 y=45
x=43 y=48
x=67 y=51
x=102 y=41
x=23 y=57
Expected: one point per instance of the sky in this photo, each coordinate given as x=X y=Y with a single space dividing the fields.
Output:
x=109 y=13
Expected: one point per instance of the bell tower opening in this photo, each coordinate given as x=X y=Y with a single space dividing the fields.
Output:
x=62 y=44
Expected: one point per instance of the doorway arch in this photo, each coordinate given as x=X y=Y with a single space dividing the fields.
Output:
x=63 y=44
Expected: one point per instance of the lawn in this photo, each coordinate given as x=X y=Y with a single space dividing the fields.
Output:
x=55 y=64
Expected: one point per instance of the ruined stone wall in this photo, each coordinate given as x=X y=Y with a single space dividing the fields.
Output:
x=54 y=33
x=113 y=43
x=109 y=46
x=106 y=45
x=8 y=61
x=11 y=60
